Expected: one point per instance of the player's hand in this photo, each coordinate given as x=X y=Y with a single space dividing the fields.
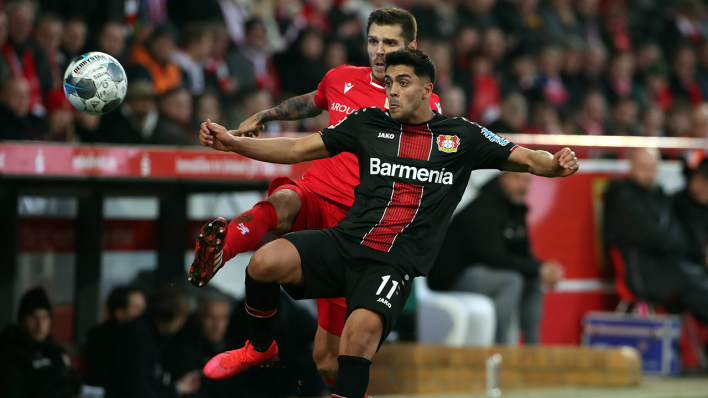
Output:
x=215 y=136
x=565 y=163
x=250 y=127
x=189 y=383
x=551 y=273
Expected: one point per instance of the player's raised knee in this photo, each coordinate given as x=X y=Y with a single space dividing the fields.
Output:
x=287 y=206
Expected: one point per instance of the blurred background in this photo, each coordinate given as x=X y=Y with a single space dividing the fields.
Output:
x=99 y=213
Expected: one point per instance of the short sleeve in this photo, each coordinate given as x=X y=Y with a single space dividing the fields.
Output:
x=490 y=150
x=435 y=103
x=321 y=93
x=342 y=137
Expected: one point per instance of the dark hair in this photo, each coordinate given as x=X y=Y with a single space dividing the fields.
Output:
x=119 y=298
x=252 y=23
x=193 y=32
x=167 y=303
x=422 y=64
x=395 y=16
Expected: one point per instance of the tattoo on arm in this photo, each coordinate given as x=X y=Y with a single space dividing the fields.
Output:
x=296 y=108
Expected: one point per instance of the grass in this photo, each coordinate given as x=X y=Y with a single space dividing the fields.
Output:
x=651 y=387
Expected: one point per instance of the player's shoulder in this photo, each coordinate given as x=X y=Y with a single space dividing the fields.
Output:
x=348 y=72
x=435 y=102
x=360 y=116
x=473 y=129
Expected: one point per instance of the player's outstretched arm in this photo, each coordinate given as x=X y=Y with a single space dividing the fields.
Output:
x=562 y=164
x=273 y=150
x=296 y=108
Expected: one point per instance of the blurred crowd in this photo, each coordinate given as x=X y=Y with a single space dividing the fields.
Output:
x=153 y=348
x=595 y=67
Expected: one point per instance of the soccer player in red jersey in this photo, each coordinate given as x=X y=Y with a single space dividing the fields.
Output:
x=326 y=191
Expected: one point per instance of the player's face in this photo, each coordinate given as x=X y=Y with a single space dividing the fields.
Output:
x=406 y=92
x=384 y=39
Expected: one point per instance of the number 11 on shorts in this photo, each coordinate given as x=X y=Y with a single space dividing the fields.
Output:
x=383 y=284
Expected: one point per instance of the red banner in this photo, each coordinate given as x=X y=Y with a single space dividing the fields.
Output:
x=137 y=162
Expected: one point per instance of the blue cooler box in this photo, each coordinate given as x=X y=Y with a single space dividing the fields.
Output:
x=656 y=337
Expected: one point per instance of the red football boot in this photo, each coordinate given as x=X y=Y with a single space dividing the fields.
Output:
x=208 y=255
x=229 y=363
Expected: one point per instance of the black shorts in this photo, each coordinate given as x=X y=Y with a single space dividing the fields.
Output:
x=333 y=266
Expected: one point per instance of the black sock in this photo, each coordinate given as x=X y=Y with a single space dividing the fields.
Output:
x=352 y=378
x=261 y=306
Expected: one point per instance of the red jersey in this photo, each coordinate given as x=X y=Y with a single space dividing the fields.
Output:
x=342 y=91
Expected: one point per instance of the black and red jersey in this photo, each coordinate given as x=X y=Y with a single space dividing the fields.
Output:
x=412 y=178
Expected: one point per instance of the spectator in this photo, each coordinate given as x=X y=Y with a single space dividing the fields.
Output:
x=124 y=305
x=691 y=208
x=23 y=58
x=619 y=81
x=616 y=16
x=60 y=117
x=305 y=71
x=204 y=338
x=31 y=364
x=47 y=34
x=497 y=261
x=652 y=122
x=686 y=24
x=699 y=122
x=486 y=98
x=560 y=22
x=206 y=107
x=678 y=123
x=592 y=30
x=253 y=67
x=74 y=40
x=514 y=115
x=441 y=54
x=219 y=73
x=17 y=121
x=595 y=60
x=197 y=45
x=544 y=120
x=138 y=352
x=572 y=74
x=477 y=13
x=639 y=222
x=684 y=83
x=522 y=75
x=152 y=61
x=454 y=99
x=464 y=43
x=592 y=116
x=173 y=127
x=135 y=120
x=111 y=40
x=335 y=55
x=521 y=21
x=549 y=82
x=625 y=118
x=493 y=44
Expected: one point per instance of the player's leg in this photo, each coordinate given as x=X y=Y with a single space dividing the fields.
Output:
x=330 y=319
x=331 y=313
x=276 y=263
x=219 y=241
x=376 y=295
x=292 y=261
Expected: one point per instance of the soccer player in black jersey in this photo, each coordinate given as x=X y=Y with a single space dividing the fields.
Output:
x=414 y=165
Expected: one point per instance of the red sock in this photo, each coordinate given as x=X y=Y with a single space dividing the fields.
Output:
x=246 y=230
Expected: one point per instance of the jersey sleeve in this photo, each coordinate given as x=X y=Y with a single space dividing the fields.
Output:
x=321 y=94
x=435 y=103
x=490 y=150
x=342 y=137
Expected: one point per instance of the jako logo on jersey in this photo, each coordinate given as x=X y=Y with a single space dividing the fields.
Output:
x=493 y=137
x=347 y=87
x=448 y=143
x=336 y=106
x=420 y=174
x=386 y=135
x=384 y=302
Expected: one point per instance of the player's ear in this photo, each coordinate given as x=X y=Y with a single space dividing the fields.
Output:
x=413 y=45
x=427 y=90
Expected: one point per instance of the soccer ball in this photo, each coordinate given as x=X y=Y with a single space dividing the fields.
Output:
x=95 y=83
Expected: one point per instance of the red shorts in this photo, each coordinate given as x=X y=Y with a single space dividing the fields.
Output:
x=317 y=212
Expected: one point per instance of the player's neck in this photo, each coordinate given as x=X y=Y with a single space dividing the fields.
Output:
x=422 y=115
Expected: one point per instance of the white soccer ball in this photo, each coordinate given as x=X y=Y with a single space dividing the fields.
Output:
x=95 y=83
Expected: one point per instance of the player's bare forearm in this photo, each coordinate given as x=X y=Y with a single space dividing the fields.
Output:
x=541 y=163
x=281 y=150
x=296 y=108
